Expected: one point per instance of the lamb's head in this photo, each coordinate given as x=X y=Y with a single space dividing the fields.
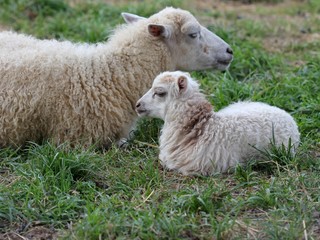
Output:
x=192 y=46
x=168 y=89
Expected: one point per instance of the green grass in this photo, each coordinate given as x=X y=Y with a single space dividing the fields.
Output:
x=125 y=193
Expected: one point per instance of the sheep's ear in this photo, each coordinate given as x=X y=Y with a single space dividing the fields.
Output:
x=131 y=18
x=158 y=30
x=182 y=83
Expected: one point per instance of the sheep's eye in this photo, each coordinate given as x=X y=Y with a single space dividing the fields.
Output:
x=193 y=35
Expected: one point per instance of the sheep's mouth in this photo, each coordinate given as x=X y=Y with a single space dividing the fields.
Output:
x=224 y=62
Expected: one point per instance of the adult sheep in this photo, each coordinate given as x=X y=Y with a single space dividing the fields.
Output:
x=86 y=93
x=195 y=139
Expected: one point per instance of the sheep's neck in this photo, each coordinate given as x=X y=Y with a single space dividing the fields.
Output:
x=139 y=62
x=140 y=53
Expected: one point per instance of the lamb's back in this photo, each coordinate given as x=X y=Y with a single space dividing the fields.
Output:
x=259 y=123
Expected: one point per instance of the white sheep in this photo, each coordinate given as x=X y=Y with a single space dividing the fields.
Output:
x=197 y=140
x=86 y=93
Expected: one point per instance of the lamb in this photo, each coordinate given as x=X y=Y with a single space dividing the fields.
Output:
x=86 y=93
x=196 y=140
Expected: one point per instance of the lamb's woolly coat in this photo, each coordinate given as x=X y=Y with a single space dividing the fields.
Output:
x=195 y=139
x=80 y=93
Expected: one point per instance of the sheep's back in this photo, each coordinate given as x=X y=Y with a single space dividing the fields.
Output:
x=34 y=76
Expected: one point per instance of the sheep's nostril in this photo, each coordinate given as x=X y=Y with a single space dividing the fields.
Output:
x=138 y=105
x=229 y=50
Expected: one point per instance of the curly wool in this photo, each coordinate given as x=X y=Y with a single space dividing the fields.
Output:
x=79 y=93
x=210 y=142
x=59 y=90
x=197 y=140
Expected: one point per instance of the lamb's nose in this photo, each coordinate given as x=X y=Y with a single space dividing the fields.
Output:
x=138 y=105
x=229 y=50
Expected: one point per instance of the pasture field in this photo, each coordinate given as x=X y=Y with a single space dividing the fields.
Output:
x=52 y=192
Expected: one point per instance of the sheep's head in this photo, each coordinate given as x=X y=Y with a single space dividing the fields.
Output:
x=167 y=88
x=192 y=46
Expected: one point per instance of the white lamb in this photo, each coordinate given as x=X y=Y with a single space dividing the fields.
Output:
x=195 y=139
x=86 y=93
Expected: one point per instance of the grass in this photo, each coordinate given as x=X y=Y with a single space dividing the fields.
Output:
x=49 y=191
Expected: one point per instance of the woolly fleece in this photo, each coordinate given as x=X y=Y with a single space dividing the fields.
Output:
x=81 y=93
x=197 y=140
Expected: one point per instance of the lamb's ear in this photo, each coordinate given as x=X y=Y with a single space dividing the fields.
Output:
x=182 y=83
x=158 y=30
x=131 y=18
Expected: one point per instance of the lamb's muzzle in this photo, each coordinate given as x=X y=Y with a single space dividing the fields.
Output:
x=140 y=109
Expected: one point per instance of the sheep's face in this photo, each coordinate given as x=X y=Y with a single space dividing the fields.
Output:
x=192 y=46
x=168 y=88
x=197 y=48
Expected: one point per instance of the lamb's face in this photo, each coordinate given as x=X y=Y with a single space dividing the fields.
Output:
x=193 y=46
x=167 y=88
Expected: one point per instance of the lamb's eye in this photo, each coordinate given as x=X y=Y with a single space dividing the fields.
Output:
x=193 y=35
x=160 y=94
